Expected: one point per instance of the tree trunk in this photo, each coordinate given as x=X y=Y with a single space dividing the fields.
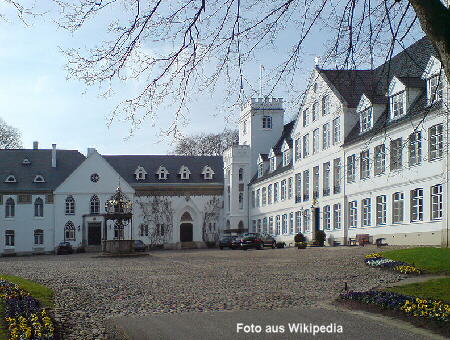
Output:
x=434 y=19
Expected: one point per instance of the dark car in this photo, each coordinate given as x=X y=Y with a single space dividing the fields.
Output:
x=226 y=242
x=248 y=240
x=268 y=240
x=64 y=248
x=139 y=245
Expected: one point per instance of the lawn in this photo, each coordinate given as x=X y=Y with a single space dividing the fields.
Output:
x=41 y=293
x=437 y=289
x=429 y=259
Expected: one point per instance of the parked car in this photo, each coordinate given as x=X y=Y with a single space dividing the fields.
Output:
x=248 y=240
x=268 y=240
x=227 y=242
x=139 y=245
x=64 y=248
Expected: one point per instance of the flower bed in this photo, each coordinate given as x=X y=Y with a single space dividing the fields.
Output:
x=413 y=306
x=24 y=317
x=377 y=260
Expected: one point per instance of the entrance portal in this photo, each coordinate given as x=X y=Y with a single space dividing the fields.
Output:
x=94 y=234
x=186 y=233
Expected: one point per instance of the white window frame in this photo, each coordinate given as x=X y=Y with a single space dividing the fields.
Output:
x=278 y=225
x=351 y=168
x=316 y=141
x=326 y=169
x=366 y=215
x=337 y=176
x=10 y=238
x=315 y=111
x=364 y=164
x=435 y=88
x=283 y=189
x=396 y=155
x=263 y=196
x=337 y=215
x=398 y=105
x=326 y=217
x=437 y=202
x=38 y=237
x=275 y=192
x=352 y=214
x=258 y=198
x=269 y=194
x=298 y=221
x=325 y=105
x=267 y=122
x=380 y=159
x=336 y=130
x=38 y=207
x=316 y=181
x=381 y=210
x=415 y=148
x=305 y=117
x=398 y=207
x=366 y=119
x=290 y=181
x=306 y=185
x=326 y=136
x=436 y=142
x=417 y=205
x=10 y=208
x=306 y=145
x=69 y=231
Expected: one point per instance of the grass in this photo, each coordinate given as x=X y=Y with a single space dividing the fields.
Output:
x=429 y=259
x=43 y=294
x=437 y=289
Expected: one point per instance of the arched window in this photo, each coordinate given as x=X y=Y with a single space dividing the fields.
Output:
x=38 y=237
x=186 y=217
x=95 y=205
x=69 y=231
x=38 y=207
x=10 y=208
x=241 y=200
x=241 y=225
x=143 y=230
x=70 y=205
x=241 y=175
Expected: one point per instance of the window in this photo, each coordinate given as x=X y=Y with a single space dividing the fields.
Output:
x=241 y=200
x=397 y=207
x=264 y=229
x=162 y=173
x=140 y=173
x=10 y=179
x=271 y=225
x=119 y=235
x=315 y=109
x=327 y=217
x=326 y=179
x=337 y=176
x=69 y=231
x=298 y=187
x=396 y=154
x=241 y=174
x=70 y=205
x=415 y=148
x=337 y=215
x=260 y=169
x=244 y=127
x=381 y=210
x=436 y=142
x=351 y=168
x=258 y=198
x=298 y=153
x=9 y=238
x=264 y=196
x=417 y=205
x=254 y=226
x=306 y=145
x=336 y=131
x=258 y=229
x=325 y=105
x=286 y=157
x=436 y=202
x=283 y=189
x=315 y=141
x=298 y=221
x=253 y=198
x=326 y=136
x=305 y=118
x=353 y=214
x=307 y=220
x=39 y=179
x=275 y=192
x=95 y=205
x=38 y=237
x=269 y=194
x=316 y=177
x=364 y=164
x=290 y=180
x=273 y=163
x=184 y=172
x=435 y=85
x=306 y=185
x=380 y=159
x=207 y=172
x=366 y=212
x=267 y=122
x=397 y=102
x=291 y=223
x=277 y=225
x=10 y=208
x=38 y=207
x=366 y=119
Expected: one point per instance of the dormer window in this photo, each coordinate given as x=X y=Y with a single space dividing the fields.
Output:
x=273 y=163
x=397 y=105
x=366 y=119
x=260 y=169
x=184 y=172
x=207 y=172
x=286 y=157
x=267 y=122
x=39 y=179
x=434 y=89
x=10 y=179
x=140 y=173
x=26 y=161
x=162 y=172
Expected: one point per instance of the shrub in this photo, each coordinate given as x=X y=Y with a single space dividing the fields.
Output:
x=320 y=238
x=299 y=238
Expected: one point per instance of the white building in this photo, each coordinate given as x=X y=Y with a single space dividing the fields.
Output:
x=367 y=154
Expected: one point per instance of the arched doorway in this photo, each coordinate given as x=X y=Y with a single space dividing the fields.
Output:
x=186 y=228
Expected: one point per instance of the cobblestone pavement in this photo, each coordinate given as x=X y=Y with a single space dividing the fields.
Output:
x=89 y=288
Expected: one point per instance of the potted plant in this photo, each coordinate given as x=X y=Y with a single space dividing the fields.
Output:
x=300 y=241
x=320 y=238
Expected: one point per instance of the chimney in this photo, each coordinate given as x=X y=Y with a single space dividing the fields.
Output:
x=35 y=145
x=90 y=151
x=53 y=155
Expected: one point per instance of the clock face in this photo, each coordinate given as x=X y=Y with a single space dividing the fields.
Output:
x=95 y=178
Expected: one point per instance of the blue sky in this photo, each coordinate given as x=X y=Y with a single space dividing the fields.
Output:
x=36 y=98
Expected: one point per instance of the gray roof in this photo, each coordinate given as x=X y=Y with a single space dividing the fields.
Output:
x=41 y=164
x=126 y=165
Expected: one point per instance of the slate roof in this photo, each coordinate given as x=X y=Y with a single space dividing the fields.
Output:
x=41 y=164
x=126 y=165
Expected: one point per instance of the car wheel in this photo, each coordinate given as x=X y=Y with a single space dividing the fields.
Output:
x=274 y=245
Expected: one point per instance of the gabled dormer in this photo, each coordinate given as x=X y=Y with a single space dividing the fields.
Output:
x=140 y=173
x=162 y=173
x=286 y=153
x=434 y=76
x=401 y=93
x=262 y=164
x=26 y=161
x=39 y=179
x=365 y=112
x=272 y=160
x=10 y=179
x=184 y=172
x=207 y=172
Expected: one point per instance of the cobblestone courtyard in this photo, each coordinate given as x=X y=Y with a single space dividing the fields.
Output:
x=90 y=288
